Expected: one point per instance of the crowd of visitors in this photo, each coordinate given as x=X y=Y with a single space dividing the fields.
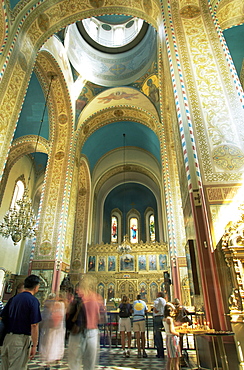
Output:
x=73 y=319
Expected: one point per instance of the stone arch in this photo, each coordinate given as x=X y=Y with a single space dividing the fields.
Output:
x=42 y=22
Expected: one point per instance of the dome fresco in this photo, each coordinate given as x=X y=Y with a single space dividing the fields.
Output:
x=110 y=69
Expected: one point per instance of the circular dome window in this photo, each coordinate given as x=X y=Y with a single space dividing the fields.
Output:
x=117 y=33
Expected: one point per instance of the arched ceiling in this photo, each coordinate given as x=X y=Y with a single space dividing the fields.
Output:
x=110 y=137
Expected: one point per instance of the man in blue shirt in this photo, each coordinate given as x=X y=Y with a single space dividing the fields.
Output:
x=139 y=327
x=21 y=316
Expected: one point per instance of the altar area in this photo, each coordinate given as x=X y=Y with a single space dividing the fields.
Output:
x=144 y=270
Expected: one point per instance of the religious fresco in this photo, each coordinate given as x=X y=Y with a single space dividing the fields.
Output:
x=162 y=261
x=152 y=262
x=101 y=264
x=127 y=263
x=142 y=263
x=151 y=89
x=143 y=291
x=153 y=291
x=111 y=263
x=100 y=290
x=91 y=263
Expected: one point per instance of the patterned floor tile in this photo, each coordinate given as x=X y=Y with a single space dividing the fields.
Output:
x=113 y=359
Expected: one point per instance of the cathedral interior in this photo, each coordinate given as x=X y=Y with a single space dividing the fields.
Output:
x=122 y=124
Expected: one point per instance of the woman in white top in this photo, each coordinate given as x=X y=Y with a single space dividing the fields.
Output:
x=172 y=339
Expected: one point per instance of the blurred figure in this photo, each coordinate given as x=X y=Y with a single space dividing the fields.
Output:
x=172 y=339
x=22 y=316
x=181 y=318
x=158 y=315
x=139 y=327
x=52 y=331
x=125 y=311
x=83 y=347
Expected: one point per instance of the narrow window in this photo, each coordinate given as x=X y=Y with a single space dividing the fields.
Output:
x=151 y=228
x=133 y=230
x=18 y=193
x=114 y=229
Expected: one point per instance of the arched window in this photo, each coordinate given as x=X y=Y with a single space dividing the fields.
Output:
x=150 y=225
x=115 y=226
x=114 y=229
x=18 y=193
x=151 y=228
x=133 y=230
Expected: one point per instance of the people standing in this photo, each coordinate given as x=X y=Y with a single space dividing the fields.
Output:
x=22 y=316
x=139 y=325
x=172 y=339
x=52 y=331
x=125 y=311
x=158 y=315
x=83 y=347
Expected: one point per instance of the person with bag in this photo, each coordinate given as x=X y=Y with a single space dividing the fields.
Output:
x=139 y=326
x=181 y=317
x=125 y=311
x=83 y=346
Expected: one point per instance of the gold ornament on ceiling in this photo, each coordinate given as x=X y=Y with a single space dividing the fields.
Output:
x=76 y=265
x=59 y=156
x=43 y=22
x=82 y=191
x=86 y=129
x=22 y=61
x=190 y=11
x=62 y=119
x=118 y=113
x=45 y=248
x=97 y=3
x=228 y=157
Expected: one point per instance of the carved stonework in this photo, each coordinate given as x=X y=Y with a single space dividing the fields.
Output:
x=233 y=248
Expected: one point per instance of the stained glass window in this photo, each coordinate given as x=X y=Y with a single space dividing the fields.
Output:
x=133 y=230
x=151 y=228
x=114 y=229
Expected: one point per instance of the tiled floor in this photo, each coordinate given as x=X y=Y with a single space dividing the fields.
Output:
x=112 y=358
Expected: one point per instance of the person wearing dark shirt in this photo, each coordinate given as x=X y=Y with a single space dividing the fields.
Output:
x=22 y=316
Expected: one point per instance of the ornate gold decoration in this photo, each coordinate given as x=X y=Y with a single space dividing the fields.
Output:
x=228 y=157
x=62 y=119
x=59 y=156
x=22 y=61
x=45 y=248
x=43 y=22
x=190 y=11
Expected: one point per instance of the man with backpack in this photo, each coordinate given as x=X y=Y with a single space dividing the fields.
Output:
x=125 y=310
x=139 y=325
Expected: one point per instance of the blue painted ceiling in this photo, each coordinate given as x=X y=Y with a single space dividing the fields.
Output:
x=235 y=40
x=114 y=18
x=111 y=137
x=29 y=122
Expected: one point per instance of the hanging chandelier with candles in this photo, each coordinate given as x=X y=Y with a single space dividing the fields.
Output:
x=20 y=221
x=125 y=247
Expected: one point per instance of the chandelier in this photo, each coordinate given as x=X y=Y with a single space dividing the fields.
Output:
x=125 y=247
x=20 y=221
